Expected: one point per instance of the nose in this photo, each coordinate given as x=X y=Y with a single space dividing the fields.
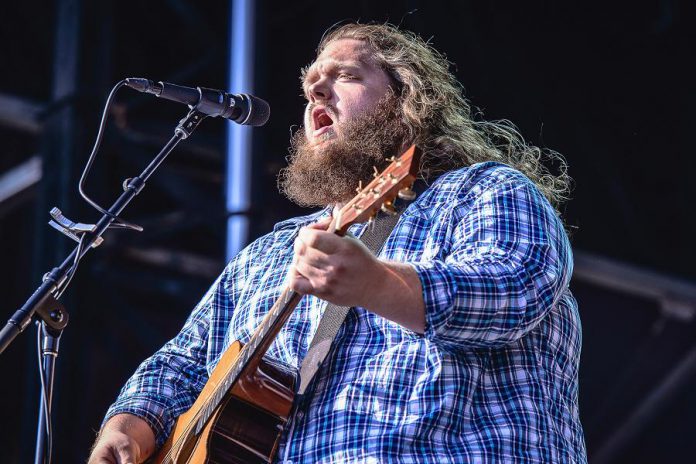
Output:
x=320 y=90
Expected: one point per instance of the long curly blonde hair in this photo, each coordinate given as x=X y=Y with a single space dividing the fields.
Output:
x=439 y=118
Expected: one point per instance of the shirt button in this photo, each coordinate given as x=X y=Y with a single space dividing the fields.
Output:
x=298 y=417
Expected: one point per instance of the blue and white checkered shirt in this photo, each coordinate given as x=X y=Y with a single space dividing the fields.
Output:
x=493 y=379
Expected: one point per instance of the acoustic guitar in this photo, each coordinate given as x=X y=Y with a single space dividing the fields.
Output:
x=242 y=410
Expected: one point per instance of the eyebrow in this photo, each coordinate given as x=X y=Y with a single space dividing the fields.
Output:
x=331 y=63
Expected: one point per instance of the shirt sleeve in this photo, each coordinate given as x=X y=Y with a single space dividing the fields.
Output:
x=508 y=262
x=166 y=384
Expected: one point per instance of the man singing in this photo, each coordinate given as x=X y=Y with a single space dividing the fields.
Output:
x=463 y=341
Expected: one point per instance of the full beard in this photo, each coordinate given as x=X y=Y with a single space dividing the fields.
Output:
x=329 y=173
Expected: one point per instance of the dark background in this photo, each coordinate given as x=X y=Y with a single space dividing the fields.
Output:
x=609 y=85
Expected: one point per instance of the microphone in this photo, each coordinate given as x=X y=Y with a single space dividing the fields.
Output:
x=243 y=108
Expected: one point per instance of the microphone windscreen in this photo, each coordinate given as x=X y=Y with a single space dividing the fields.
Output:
x=259 y=111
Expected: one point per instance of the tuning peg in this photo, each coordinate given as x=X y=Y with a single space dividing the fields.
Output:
x=394 y=159
x=407 y=194
x=388 y=208
x=376 y=171
x=336 y=223
x=359 y=188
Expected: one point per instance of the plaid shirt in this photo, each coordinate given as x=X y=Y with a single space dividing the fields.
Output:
x=493 y=379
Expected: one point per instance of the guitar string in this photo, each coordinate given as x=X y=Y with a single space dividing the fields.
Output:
x=176 y=446
x=205 y=409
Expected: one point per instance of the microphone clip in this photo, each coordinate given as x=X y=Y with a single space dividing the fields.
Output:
x=189 y=123
x=74 y=230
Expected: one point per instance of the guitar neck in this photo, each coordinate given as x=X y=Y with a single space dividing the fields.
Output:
x=264 y=335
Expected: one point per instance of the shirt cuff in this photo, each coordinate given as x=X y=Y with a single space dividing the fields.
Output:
x=151 y=411
x=439 y=290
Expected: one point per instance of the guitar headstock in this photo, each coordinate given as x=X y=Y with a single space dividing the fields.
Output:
x=395 y=180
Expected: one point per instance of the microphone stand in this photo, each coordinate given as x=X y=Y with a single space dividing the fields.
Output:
x=43 y=304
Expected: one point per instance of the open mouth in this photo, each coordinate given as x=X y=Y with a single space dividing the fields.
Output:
x=321 y=121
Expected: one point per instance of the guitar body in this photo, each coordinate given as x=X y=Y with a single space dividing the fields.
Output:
x=246 y=426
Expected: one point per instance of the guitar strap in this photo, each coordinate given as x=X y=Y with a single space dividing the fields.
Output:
x=373 y=237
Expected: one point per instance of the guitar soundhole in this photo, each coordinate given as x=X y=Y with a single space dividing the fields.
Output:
x=243 y=434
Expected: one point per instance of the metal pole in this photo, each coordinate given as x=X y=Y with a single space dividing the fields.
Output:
x=238 y=188
x=50 y=342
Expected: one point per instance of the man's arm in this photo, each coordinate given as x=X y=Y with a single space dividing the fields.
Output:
x=124 y=439
x=344 y=272
x=166 y=384
x=508 y=261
